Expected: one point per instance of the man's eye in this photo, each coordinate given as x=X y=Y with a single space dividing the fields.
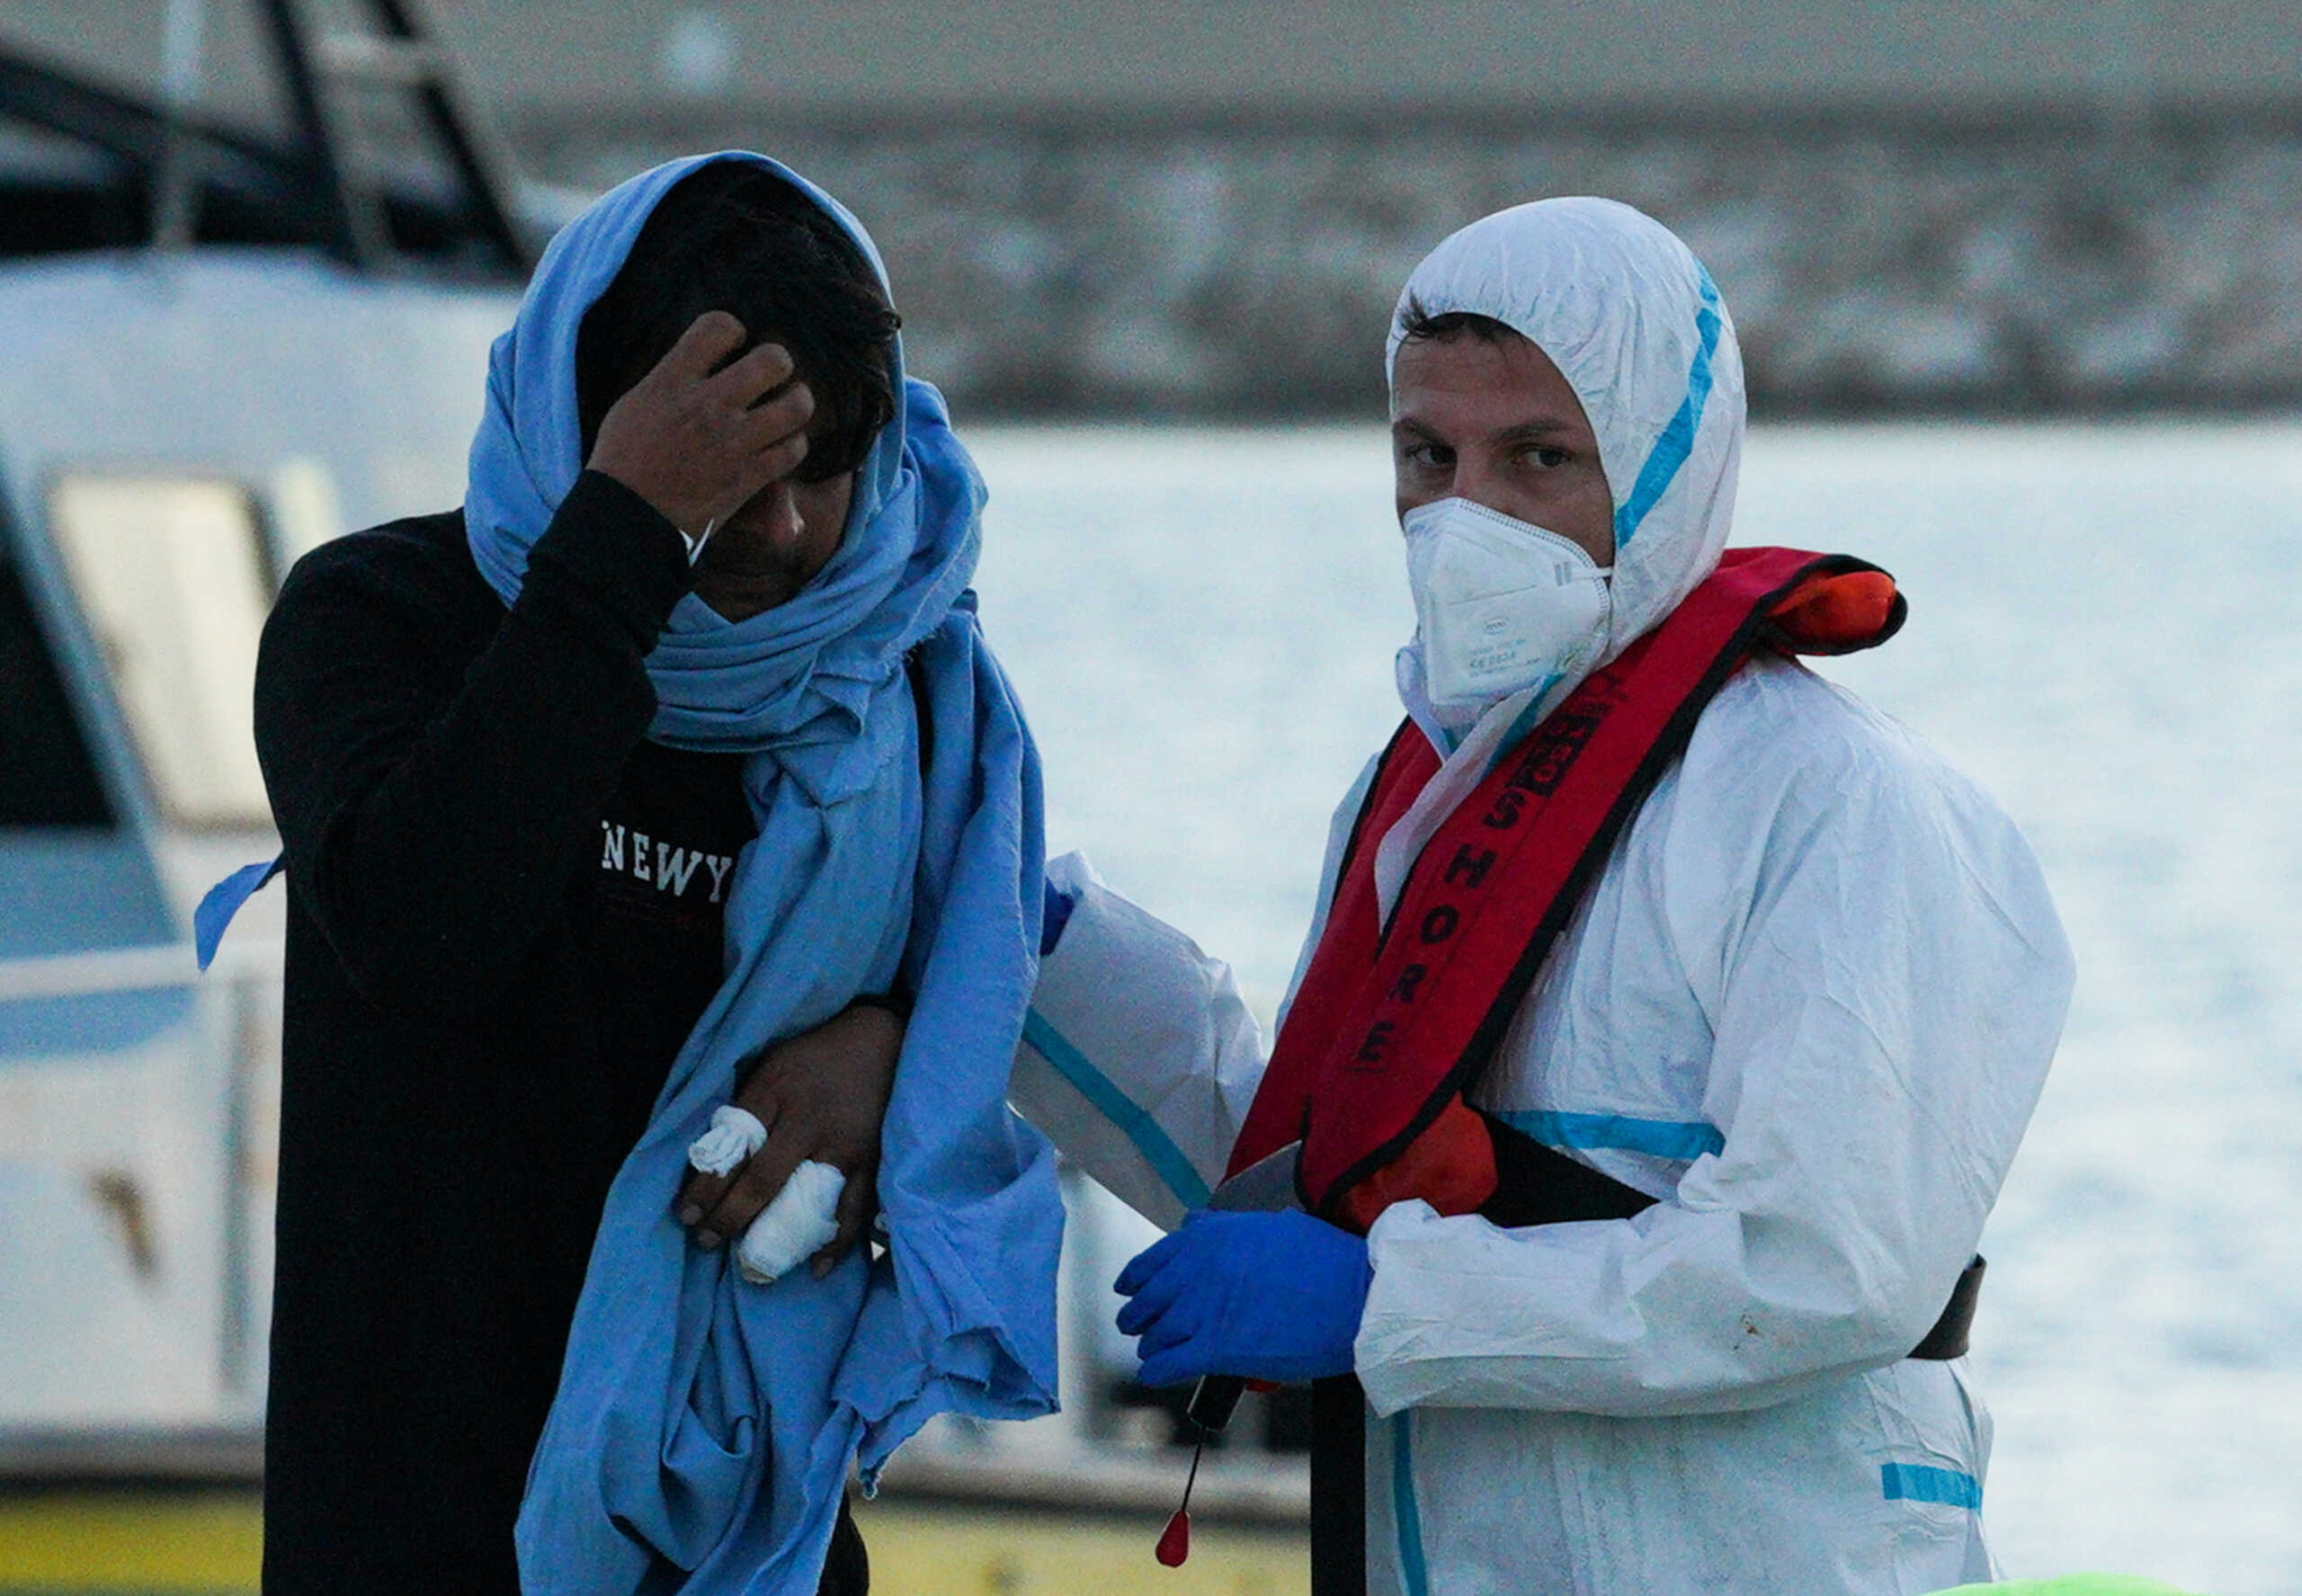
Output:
x=1429 y=457
x=1547 y=458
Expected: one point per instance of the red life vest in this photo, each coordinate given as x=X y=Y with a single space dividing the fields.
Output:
x=1394 y=1021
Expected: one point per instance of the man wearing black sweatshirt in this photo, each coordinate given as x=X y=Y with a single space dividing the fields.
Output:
x=505 y=901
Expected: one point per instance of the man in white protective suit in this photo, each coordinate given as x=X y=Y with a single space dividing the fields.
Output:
x=1667 y=1029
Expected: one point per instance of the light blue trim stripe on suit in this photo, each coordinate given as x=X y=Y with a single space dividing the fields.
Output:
x=1917 y=1482
x=1617 y=1133
x=1677 y=442
x=1405 y=1514
x=1158 y=1149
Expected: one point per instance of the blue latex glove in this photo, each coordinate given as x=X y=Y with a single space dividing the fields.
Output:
x=1269 y=1297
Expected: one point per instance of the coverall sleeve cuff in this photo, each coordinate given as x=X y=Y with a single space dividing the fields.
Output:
x=1462 y=1314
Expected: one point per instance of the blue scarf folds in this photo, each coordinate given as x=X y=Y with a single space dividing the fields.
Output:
x=703 y=1427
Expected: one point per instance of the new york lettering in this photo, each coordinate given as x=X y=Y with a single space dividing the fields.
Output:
x=664 y=866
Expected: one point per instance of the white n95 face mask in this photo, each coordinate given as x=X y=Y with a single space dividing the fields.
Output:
x=1501 y=603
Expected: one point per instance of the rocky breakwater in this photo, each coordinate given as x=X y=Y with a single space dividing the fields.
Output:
x=1236 y=269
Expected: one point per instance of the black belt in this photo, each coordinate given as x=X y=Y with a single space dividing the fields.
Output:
x=1535 y=1185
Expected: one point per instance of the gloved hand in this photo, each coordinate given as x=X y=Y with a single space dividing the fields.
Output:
x=1268 y=1297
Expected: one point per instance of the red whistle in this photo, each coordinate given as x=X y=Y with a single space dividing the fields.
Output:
x=1174 y=1540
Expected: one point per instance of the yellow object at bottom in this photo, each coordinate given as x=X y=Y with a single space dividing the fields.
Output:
x=210 y=1543
x=151 y=1543
x=919 y=1550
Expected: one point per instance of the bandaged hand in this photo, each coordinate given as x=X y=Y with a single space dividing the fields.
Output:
x=1268 y=1297
x=821 y=1095
x=802 y=1219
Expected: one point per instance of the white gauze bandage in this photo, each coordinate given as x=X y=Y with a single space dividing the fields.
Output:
x=801 y=1220
x=734 y=1135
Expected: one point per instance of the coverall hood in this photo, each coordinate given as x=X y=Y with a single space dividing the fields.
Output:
x=1634 y=324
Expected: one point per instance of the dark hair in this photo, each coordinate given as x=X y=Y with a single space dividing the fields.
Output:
x=1417 y=324
x=734 y=236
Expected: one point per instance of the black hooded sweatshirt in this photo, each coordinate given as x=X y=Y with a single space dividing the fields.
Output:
x=505 y=911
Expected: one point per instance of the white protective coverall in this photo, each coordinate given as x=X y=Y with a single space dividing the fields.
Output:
x=1809 y=1004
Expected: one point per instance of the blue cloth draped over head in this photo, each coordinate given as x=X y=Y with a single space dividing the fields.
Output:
x=703 y=1427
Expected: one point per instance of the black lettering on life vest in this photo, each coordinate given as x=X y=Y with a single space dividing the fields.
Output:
x=1440 y=924
x=1471 y=867
x=1403 y=990
x=1506 y=813
x=1554 y=751
x=1378 y=1041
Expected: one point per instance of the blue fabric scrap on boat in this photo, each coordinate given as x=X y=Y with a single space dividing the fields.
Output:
x=220 y=902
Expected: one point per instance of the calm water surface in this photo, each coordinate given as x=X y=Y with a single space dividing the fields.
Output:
x=2102 y=630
